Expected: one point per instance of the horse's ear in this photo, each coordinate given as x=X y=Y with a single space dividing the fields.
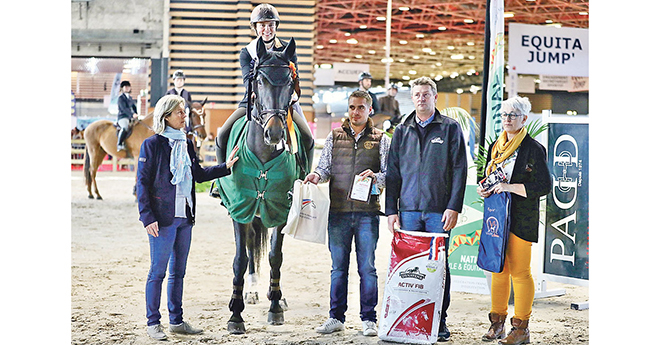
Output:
x=205 y=99
x=261 y=49
x=290 y=50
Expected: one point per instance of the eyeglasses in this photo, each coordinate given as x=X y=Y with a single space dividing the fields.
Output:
x=511 y=116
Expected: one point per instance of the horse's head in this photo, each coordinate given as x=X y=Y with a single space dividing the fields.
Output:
x=273 y=86
x=197 y=117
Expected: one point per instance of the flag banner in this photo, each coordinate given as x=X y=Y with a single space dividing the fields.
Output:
x=567 y=209
x=493 y=85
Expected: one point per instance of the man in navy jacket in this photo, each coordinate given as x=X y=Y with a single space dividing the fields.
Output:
x=426 y=173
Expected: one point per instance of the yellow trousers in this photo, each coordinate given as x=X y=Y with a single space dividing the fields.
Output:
x=516 y=268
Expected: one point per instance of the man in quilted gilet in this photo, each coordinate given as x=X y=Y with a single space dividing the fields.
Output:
x=356 y=151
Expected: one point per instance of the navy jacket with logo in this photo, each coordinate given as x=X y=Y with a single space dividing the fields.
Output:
x=431 y=180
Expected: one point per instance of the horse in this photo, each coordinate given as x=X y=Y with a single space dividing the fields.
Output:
x=101 y=139
x=257 y=193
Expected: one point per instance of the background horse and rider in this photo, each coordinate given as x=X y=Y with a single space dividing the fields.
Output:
x=273 y=153
x=101 y=140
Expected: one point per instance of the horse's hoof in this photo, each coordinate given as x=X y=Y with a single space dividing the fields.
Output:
x=251 y=297
x=99 y=198
x=236 y=327
x=283 y=304
x=90 y=197
x=275 y=318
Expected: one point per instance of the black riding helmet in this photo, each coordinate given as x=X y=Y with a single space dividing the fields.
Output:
x=264 y=13
x=364 y=75
x=124 y=83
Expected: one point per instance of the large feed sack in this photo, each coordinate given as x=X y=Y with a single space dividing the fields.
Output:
x=412 y=298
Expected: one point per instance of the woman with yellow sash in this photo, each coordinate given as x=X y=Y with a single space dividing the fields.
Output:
x=523 y=161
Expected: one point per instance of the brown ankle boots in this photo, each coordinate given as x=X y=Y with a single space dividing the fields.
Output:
x=519 y=334
x=496 y=330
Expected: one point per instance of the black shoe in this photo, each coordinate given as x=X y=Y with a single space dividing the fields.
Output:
x=443 y=333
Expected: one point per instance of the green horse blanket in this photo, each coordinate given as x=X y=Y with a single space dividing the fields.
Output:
x=255 y=189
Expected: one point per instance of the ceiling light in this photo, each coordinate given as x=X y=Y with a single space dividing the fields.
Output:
x=509 y=14
x=405 y=77
x=402 y=60
x=412 y=71
x=326 y=66
x=352 y=41
x=453 y=75
x=386 y=60
x=459 y=91
x=438 y=63
x=468 y=21
x=548 y=21
x=415 y=57
x=437 y=77
x=404 y=8
x=451 y=47
x=382 y=19
x=427 y=50
x=583 y=13
x=358 y=56
x=419 y=35
x=471 y=57
x=363 y=26
x=319 y=47
x=333 y=41
x=347 y=60
x=470 y=43
x=457 y=57
x=442 y=28
x=372 y=52
x=403 y=42
x=347 y=34
x=431 y=53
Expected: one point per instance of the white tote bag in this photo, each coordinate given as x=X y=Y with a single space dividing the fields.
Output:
x=308 y=216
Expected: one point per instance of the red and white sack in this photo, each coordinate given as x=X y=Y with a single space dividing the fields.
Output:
x=412 y=300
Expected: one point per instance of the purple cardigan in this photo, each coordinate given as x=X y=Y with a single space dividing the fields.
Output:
x=156 y=194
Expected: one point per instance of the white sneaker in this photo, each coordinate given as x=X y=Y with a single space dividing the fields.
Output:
x=331 y=325
x=369 y=328
x=156 y=332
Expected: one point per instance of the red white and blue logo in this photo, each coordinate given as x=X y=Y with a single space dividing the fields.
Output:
x=307 y=202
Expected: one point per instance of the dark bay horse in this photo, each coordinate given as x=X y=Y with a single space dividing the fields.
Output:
x=101 y=140
x=257 y=193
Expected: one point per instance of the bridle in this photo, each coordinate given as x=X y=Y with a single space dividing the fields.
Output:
x=266 y=114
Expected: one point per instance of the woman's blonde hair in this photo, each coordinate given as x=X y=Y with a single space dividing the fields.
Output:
x=164 y=108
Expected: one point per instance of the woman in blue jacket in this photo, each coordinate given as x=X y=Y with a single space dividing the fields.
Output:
x=167 y=171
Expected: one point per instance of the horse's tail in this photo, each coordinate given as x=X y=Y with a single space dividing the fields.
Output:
x=258 y=243
x=86 y=172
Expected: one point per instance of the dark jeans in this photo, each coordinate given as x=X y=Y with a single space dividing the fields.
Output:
x=343 y=227
x=429 y=222
x=171 y=246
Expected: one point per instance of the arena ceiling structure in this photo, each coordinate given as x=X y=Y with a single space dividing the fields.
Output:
x=436 y=38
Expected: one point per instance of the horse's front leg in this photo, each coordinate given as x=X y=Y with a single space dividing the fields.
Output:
x=236 y=325
x=275 y=313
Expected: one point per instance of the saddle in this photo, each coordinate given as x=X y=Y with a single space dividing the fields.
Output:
x=129 y=130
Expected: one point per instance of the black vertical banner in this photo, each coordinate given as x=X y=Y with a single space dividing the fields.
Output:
x=567 y=211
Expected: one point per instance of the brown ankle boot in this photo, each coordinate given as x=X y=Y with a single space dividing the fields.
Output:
x=496 y=330
x=519 y=333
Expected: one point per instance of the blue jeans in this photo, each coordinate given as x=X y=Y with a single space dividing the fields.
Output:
x=429 y=222
x=171 y=246
x=342 y=228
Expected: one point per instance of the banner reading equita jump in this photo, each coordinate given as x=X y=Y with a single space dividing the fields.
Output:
x=567 y=210
x=493 y=86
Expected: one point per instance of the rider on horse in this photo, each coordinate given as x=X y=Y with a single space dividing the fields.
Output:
x=179 y=79
x=127 y=111
x=264 y=20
